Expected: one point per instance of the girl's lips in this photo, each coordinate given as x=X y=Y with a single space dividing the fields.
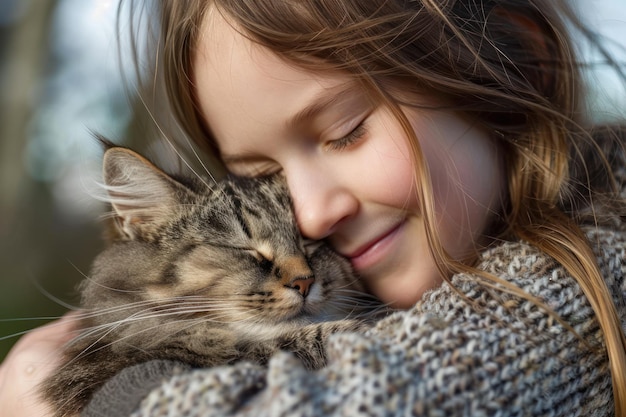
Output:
x=374 y=250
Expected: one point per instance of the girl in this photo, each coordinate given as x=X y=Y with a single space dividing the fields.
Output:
x=442 y=147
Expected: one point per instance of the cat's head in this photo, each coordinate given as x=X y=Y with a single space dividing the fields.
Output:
x=233 y=247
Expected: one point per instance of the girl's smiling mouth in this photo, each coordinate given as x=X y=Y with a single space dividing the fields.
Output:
x=376 y=249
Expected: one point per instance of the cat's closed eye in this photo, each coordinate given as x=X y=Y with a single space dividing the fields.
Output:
x=265 y=262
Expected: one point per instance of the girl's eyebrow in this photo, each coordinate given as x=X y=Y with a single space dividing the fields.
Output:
x=323 y=101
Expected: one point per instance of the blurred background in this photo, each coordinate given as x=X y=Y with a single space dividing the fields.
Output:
x=62 y=76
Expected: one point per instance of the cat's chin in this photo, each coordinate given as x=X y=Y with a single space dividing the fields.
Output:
x=302 y=315
x=270 y=330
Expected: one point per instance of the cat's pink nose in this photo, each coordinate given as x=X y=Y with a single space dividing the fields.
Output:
x=302 y=285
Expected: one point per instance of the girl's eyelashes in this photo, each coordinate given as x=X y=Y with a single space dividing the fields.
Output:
x=351 y=138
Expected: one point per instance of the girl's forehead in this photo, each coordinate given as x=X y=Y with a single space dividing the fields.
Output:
x=239 y=81
x=231 y=54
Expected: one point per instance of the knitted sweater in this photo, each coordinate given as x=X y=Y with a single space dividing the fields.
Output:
x=477 y=354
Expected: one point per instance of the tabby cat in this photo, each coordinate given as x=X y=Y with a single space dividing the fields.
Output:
x=203 y=275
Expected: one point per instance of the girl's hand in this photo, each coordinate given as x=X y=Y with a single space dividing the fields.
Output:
x=28 y=363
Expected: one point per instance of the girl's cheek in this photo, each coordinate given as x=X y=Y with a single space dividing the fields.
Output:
x=467 y=177
x=392 y=162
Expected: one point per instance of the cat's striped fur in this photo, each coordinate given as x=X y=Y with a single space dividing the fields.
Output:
x=203 y=275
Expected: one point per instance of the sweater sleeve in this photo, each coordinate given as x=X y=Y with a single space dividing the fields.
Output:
x=464 y=350
x=428 y=370
x=123 y=394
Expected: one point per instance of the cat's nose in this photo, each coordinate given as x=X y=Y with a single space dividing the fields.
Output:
x=295 y=273
x=302 y=284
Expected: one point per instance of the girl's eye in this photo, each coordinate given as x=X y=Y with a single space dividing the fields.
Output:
x=351 y=138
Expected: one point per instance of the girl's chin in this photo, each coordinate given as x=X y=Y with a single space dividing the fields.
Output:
x=403 y=281
x=402 y=292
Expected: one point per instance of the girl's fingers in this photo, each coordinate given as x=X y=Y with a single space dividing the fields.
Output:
x=28 y=363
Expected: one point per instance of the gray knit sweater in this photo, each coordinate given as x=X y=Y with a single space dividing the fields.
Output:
x=480 y=354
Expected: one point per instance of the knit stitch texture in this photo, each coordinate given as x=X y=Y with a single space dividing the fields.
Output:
x=481 y=354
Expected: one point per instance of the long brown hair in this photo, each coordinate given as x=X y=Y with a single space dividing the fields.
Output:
x=507 y=64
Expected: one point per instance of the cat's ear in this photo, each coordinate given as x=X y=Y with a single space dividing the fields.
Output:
x=142 y=196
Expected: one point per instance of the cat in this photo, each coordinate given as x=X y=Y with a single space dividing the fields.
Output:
x=206 y=275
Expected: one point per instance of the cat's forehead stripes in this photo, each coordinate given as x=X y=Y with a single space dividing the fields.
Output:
x=237 y=208
x=256 y=201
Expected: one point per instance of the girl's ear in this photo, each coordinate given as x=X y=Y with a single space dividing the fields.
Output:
x=142 y=196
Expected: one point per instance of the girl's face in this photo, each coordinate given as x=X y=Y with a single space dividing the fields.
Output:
x=347 y=162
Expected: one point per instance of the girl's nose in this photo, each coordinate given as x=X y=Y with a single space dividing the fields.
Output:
x=321 y=204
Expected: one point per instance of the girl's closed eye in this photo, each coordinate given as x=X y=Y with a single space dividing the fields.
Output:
x=354 y=136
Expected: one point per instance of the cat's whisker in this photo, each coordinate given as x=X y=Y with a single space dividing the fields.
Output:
x=18 y=319
x=180 y=328
x=247 y=317
x=211 y=314
x=76 y=317
x=54 y=298
x=199 y=160
x=160 y=303
x=175 y=148
x=90 y=349
x=16 y=334
x=116 y=309
x=354 y=301
x=119 y=290
x=163 y=335
x=154 y=309
x=108 y=328
x=69 y=399
x=355 y=308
